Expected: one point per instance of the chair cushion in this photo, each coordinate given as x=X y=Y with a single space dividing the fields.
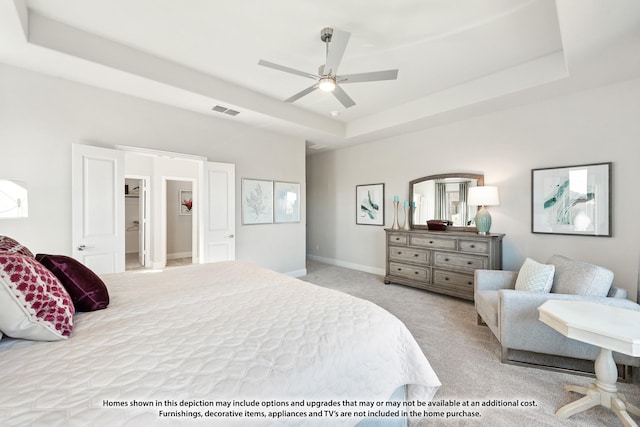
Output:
x=535 y=277
x=580 y=278
x=487 y=307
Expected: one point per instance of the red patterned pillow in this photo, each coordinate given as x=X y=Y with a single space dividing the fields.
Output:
x=33 y=303
x=7 y=244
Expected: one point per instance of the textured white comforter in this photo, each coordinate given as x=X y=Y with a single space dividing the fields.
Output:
x=214 y=332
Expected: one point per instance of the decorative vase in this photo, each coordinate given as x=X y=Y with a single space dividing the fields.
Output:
x=395 y=225
x=483 y=221
x=406 y=218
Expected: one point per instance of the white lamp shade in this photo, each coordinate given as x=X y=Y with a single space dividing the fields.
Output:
x=486 y=195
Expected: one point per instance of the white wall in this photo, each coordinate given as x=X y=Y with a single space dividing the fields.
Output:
x=594 y=126
x=41 y=116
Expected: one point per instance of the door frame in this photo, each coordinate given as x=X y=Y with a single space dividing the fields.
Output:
x=195 y=229
x=145 y=219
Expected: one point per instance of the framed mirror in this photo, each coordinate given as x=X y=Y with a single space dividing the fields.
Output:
x=443 y=197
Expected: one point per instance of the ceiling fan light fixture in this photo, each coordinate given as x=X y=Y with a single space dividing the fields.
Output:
x=327 y=84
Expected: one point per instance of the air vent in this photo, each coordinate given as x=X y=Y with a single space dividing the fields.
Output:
x=225 y=110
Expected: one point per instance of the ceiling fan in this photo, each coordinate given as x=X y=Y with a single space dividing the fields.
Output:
x=327 y=78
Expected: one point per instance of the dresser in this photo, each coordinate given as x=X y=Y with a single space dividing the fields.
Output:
x=441 y=261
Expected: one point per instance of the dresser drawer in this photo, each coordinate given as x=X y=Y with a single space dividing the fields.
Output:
x=432 y=242
x=397 y=239
x=399 y=253
x=475 y=246
x=409 y=271
x=464 y=281
x=456 y=260
x=440 y=261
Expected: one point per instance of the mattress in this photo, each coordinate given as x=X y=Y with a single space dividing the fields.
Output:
x=189 y=340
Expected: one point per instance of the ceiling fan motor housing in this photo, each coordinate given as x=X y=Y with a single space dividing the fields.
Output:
x=326 y=34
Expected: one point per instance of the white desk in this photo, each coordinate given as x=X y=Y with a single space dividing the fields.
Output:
x=611 y=329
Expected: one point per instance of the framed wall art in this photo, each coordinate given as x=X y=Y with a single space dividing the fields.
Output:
x=370 y=204
x=286 y=202
x=257 y=201
x=572 y=200
x=186 y=202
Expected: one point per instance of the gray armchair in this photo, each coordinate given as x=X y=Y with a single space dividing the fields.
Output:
x=512 y=315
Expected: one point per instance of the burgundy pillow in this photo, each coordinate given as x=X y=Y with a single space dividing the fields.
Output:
x=7 y=244
x=88 y=292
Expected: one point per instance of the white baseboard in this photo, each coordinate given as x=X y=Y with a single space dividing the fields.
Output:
x=179 y=255
x=297 y=273
x=338 y=263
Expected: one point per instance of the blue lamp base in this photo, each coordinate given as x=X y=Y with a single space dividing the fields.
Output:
x=483 y=220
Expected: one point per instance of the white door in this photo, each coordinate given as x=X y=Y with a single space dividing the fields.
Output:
x=98 y=229
x=218 y=214
x=143 y=223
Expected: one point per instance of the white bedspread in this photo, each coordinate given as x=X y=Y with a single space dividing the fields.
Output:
x=213 y=332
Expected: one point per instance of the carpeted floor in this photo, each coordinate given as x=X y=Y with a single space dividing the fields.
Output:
x=466 y=356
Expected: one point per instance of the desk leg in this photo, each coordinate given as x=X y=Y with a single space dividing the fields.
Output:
x=603 y=392
x=630 y=408
x=618 y=406
x=591 y=399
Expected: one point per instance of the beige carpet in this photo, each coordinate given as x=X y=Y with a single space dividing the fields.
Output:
x=466 y=356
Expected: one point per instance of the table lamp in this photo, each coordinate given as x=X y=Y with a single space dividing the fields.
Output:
x=483 y=196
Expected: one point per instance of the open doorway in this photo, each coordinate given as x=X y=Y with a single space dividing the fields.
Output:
x=136 y=222
x=179 y=222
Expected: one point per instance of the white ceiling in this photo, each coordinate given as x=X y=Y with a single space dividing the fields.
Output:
x=456 y=58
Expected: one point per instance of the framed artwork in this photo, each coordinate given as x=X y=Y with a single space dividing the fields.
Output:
x=286 y=202
x=370 y=204
x=257 y=201
x=186 y=202
x=572 y=200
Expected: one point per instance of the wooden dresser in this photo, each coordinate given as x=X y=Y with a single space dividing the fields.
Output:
x=441 y=261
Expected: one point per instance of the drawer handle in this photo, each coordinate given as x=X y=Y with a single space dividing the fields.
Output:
x=397 y=238
x=416 y=255
x=399 y=269
x=472 y=246
x=469 y=262
x=446 y=278
x=446 y=259
x=469 y=283
x=416 y=272
x=431 y=242
x=399 y=253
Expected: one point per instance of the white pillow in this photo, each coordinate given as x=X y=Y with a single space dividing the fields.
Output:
x=33 y=303
x=535 y=277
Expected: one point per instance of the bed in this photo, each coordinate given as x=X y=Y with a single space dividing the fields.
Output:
x=193 y=339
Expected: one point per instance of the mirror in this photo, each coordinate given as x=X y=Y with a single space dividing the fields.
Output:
x=443 y=197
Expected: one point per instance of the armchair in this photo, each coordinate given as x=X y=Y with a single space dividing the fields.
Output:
x=512 y=315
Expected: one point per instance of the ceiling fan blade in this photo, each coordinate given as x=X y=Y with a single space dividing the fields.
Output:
x=337 y=46
x=302 y=93
x=368 y=77
x=287 y=69
x=342 y=96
